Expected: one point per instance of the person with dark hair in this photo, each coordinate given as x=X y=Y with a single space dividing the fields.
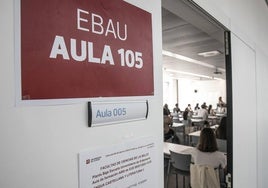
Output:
x=203 y=113
x=221 y=103
x=176 y=109
x=166 y=110
x=185 y=114
x=189 y=108
x=204 y=105
x=210 y=110
x=221 y=130
x=196 y=107
x=221 y=107
x=206 y=152
x=168 y=132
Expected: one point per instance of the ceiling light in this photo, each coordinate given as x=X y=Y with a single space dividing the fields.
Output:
x=188 y=73
x=184 y=58
x=193 y=74
x=210 y=53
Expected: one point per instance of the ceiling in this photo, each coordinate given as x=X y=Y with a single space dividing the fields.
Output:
x=186 y=32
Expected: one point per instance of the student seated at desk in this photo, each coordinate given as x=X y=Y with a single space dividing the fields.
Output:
x=168 y=132
x=203 y=113
x=205 y=171
x=176 y=109
x=206 y=152
x=166 y=110
x=211 y=111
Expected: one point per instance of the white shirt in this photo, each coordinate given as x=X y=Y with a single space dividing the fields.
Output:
x=203 y=113
x=214 y=159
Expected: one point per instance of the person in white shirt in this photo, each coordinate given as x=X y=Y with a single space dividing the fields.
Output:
x=176 y=109
x=206 y=152
x=203 y=113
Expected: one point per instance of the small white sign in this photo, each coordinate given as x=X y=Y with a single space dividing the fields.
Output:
x=125 y=165
x=103 y=113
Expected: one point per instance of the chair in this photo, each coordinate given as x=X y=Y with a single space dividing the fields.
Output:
x=179 y=164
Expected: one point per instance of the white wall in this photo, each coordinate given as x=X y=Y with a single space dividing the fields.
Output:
x=244 y=114
x=39 y=144
x=207 y=91
x=247 y=21
x=262 y=118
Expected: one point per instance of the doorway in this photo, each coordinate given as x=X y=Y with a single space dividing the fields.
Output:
x=197 y=62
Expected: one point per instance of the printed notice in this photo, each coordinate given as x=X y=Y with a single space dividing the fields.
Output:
x=126 y=165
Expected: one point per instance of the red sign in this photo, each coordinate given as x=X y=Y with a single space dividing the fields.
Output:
x=85 y=48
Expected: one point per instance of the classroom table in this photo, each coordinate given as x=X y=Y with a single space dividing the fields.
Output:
x=197 y=133
x=221 y=114
x=197 y=120
x=213 y=119
x=178 y=148
x=194 y=137
x=177 y=124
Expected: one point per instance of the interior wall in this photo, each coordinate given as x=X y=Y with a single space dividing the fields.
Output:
x=247 y=21
x=262 y=118
x=169 y=92
x=39 y=144
x=194 y=91
x=244 y=114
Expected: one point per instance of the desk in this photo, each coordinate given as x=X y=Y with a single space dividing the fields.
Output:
x=215 y=126
x=176 y=117
x=197 y=133
x=194 y=138
x=177 y=124
x=198 y=123
x=176 y=148
x=213 y=119
x=221 y=114
x=197 y=120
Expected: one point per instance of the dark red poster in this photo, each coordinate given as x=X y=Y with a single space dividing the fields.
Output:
x=85 y=48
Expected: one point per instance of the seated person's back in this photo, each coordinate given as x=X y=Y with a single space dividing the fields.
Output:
x=203 y=113
x=206 y=152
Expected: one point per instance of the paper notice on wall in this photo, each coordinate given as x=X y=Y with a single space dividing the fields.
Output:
x=125 y=165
